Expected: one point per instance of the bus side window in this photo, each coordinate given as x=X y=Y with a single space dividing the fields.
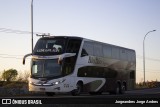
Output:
x=88 y=46
x=69 y=62
x=84 y=53
x=73 y=46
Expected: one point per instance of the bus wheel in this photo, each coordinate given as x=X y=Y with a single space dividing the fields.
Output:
x=78 y=90
x=50 y=93
x=117 y=89
x=122 y=90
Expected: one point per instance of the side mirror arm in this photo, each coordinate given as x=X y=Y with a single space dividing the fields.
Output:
x=61 y=57
x=24 y=58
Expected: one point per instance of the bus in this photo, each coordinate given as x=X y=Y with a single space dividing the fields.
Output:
x=62 y=64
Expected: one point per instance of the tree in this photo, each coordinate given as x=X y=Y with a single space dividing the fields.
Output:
x=0 y=75
x=9 y=75
x=26 y=76
x=23 y=76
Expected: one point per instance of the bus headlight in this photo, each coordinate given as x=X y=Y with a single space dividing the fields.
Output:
x=58 y=82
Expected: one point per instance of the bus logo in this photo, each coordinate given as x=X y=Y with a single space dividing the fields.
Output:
x=6 y=101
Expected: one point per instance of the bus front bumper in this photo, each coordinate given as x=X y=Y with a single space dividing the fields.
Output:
x=45 y=88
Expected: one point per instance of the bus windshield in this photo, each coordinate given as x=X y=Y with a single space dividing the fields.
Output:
x=48 y=46
x=45 y=68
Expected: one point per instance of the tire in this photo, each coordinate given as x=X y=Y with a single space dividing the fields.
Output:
x=50 y=93
x=122 y=90
x=116 y=90
x=78 y=90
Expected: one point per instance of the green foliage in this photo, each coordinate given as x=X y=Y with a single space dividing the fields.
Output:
x=10 y=75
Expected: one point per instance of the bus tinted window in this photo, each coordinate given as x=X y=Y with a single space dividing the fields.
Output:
x=107 y=51
x=95 y=71
x=88 y=48
x=49 y=46
x=73 y=46
x=69 y=62
x=133 y=57
x=132 y=74
x=98 y=49
x=123 y=54
x=115 y=52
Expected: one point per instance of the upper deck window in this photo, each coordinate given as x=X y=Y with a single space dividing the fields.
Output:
x=49 y=46
x=87 y=48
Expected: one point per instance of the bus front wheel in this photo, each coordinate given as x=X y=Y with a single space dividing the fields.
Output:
x=78 y=90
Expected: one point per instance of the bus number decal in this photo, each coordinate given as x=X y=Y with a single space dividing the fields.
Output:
x=66 y=85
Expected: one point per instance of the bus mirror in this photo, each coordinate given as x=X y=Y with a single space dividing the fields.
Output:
x=23 y=61
x=61 y=57
x=59 y=61
x=24 y=58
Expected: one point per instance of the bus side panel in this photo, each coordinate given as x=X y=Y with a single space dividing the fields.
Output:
x=119 y=66
x=94 y=85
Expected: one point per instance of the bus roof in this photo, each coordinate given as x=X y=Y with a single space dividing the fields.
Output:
x=73 y=37
x=86 y=39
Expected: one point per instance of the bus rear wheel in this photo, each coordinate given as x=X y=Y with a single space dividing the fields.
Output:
x=123 y=89
x=78 y=90
x=116 y=90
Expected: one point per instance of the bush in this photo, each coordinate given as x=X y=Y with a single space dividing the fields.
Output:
x=10 y=75
x=14 y=84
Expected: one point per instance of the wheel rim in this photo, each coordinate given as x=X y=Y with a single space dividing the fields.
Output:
x=78 y=89
x=123 y=89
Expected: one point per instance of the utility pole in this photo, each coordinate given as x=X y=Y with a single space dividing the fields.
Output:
x=32 y=25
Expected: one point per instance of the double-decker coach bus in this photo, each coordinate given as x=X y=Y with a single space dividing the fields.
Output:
x=75 y=64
